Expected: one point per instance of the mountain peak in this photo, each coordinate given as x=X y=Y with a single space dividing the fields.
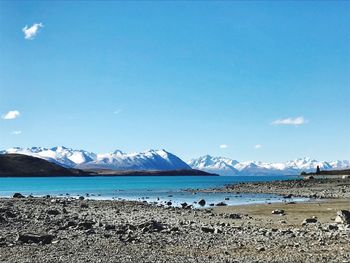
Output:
x=59 y=148
x=118 y=152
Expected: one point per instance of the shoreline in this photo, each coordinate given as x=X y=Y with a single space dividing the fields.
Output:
x=118 y=173
x=64 y=229
x=327 y=188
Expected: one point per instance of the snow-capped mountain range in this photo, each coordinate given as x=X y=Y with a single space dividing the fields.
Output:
x=226 y=166
x=149 y=160
x=163 y=160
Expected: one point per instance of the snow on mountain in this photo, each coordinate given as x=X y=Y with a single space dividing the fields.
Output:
x=226 y=166
x=219 y=165
x=61 y=155
x=163 y=160
x=149 y=160
x=340 y=164
x=118 y=160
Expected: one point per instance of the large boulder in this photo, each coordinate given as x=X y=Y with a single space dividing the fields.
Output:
x=202 y=202
x=35 y=238
x=343 y=217
x=18 y=195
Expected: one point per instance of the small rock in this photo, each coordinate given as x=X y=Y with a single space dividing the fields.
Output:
x=310 y=177
x=71 y=224
x=309 y=221
x=35 y=238
x=184 y=205
x=151 y=226
x=202 y=202
x=221 y=204
x=53 y=212
x=208 y=229
x=2 y=219
x=85 y=225
x=235 y=216
x=18 y=195
x=90 y=231
x=10 y=214
x=109 y=227
x=174 y=229
x=278 y=212
x=333 y=227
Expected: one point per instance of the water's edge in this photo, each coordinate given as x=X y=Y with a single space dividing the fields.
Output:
x=153 y=189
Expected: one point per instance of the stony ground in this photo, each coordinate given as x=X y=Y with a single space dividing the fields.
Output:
x=71 y=230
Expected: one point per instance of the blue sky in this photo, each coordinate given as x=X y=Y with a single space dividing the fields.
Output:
x=250 y=80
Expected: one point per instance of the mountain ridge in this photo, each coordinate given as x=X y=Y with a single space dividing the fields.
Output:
x=117 y=160
x=227 y=166
x=20 y=165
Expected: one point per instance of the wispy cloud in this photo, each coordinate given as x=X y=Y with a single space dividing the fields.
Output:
x=12 y=114
x=223 y=146
x=117 y=111
x=290 y=121
x=16 y=132
x=257 y=146
x=31 y=32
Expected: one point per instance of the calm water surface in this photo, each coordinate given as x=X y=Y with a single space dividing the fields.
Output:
x=149 y=188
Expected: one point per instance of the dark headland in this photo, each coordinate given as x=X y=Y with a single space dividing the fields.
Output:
x=19 y=165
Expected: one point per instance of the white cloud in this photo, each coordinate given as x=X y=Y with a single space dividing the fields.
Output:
x=223 y=146
x=12 y=114
x=258 y=146
x=31 y=32
x=16 y=132
x=290 y=121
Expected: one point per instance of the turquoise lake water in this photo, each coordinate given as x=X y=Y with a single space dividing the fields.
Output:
x=148 y=188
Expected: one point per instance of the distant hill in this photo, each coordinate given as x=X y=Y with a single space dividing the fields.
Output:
x=117 y=160
x=24 y=165
x=19 y=165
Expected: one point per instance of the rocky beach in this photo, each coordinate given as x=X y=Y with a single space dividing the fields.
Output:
x=49 y=229
x=309 y=187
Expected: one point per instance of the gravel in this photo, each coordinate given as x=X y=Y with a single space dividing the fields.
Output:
x=73 y=230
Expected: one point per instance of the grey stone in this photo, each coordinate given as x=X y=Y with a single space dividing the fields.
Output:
x=343 y=217
x=35 y=238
